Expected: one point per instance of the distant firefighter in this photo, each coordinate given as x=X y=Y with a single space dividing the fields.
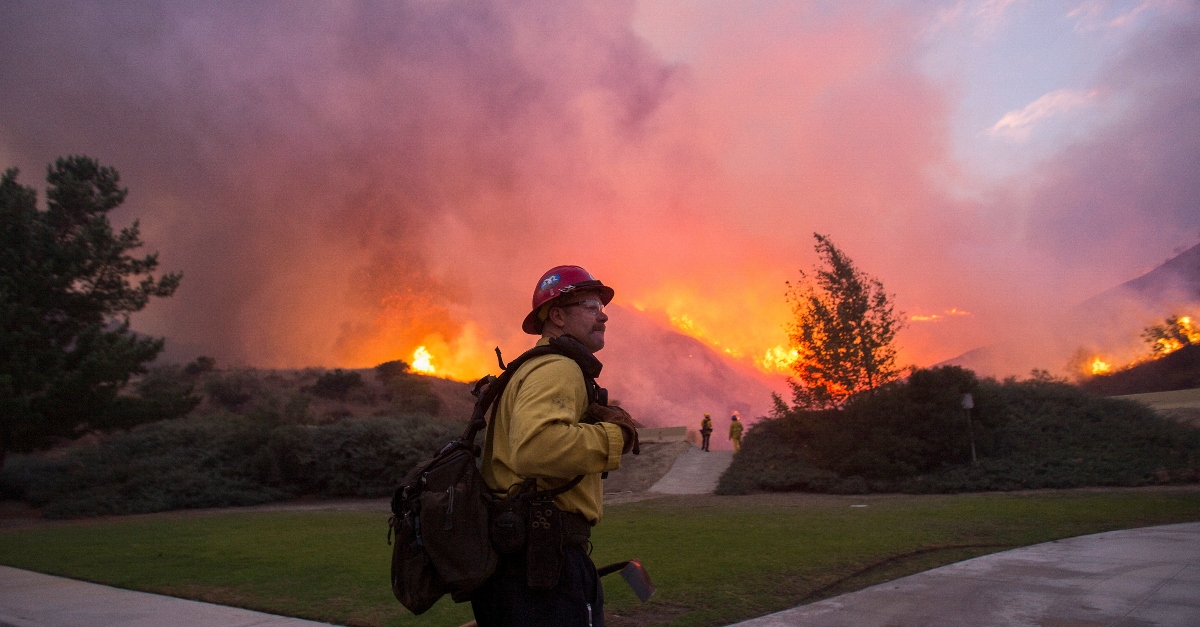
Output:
x=705 y=431
x=735 y=432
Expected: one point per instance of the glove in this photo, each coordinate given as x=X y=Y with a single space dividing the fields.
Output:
x=621 y=418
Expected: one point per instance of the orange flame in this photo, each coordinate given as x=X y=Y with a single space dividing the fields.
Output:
x=1099 y=366
x=778 y=360
x=1167 y=345
x=422 y=361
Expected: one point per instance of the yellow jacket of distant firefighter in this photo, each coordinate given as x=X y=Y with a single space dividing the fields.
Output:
x=537 y=433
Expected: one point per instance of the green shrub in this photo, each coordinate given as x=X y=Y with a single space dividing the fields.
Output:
x=224 y=460
x=164 y=393
x=389 y=370
x=336 y=384
x=201 y=365
x=160 y=466
x=355 y=457
x=912 y=436
x=413 y=394
x=233 y=389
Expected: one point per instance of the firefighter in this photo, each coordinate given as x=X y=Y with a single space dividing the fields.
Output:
x=706 y=430
x=546 y=428
x=735 y=432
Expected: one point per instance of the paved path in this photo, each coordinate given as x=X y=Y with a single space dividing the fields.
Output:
x=1132 y=578
x=694 y=472
x=30 y=599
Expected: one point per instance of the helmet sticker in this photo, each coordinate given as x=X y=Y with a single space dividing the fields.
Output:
x=549 y=282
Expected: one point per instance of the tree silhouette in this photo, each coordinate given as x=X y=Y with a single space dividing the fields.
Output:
x=67 y=287
x=844 y=329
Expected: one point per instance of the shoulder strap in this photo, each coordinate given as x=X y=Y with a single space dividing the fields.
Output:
x=488 y=390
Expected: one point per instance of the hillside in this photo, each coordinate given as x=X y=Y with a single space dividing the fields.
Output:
x=1110 y=322
x=1174 y=281
x=293 y=396
x=1179 y=370
x=665 y=378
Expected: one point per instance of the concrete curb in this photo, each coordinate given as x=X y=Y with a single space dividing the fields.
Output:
x=1129 y=578
x=29 y=599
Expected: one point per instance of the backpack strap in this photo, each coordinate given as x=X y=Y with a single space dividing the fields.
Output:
x=488 y=390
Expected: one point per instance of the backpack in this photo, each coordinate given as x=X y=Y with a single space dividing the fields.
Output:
x=440 y=513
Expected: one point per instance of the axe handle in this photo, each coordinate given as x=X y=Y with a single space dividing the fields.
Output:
x=605 y=571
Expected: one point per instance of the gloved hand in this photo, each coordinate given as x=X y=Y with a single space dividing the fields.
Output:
x=621 y=418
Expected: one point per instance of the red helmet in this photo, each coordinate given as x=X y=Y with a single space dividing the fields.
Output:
x=556 y=282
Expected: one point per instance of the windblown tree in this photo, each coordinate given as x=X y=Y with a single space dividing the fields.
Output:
x=1172 y=335
x=68 y=285
x=844 y=331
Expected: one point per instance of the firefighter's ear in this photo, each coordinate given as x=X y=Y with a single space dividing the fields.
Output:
x=557 y=316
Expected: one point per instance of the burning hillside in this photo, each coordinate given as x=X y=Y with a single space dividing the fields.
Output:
x=667 y=378
x=1177 y=370
x=1113 y=327
x=1161 y=369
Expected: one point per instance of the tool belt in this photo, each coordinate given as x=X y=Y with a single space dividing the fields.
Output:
x=577 y=531
x=542 y=530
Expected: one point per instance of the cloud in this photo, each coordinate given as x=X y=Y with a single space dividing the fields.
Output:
x=1130 y=188
x=1109 y=15
x=1016 y=125
x=980 y=17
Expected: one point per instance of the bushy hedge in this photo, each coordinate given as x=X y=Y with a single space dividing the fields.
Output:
x=913 y=436
x=225 y=460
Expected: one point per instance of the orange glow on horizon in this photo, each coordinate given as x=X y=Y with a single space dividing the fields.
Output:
x=952 y=312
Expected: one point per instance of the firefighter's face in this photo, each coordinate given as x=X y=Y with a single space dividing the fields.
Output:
x=582 y=316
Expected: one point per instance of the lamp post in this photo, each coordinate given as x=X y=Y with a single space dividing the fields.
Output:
x=968 y=403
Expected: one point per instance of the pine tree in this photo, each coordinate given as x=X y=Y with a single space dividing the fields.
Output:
x=67 y=287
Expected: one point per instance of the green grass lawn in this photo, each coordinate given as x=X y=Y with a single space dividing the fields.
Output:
x=715 y=560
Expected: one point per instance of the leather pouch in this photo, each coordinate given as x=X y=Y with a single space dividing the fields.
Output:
x=543 y=552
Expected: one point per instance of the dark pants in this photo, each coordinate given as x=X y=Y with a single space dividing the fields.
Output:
x=704 y=446
x=506 y=601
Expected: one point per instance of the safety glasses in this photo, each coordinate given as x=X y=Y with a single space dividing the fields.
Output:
x=593 y=306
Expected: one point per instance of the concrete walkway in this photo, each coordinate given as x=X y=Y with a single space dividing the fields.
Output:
x=694 y=472
x=1132 y=578
x=29 y=599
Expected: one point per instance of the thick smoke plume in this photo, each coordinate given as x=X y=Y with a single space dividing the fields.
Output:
x=343 y=182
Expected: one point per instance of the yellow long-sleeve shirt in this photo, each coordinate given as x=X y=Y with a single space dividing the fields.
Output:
x=537 y=433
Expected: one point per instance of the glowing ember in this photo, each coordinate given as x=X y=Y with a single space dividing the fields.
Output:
x=1099 y=366
x=422 y=361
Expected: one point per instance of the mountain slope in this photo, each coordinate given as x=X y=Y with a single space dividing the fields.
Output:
x=665 y=378
x=1110 y=322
